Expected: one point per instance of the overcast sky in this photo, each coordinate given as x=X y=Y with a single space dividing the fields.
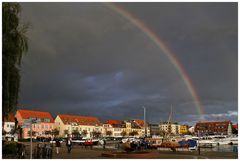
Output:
x=86 y=59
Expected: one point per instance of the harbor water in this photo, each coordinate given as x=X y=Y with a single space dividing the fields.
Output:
x=222 y=148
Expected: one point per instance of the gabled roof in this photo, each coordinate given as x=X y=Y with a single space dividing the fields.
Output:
x=26 y=114
x=140 y=122
x=113 y=122
x=213 y=122
x=9 y=118
x=81 y=120
x=134 y=125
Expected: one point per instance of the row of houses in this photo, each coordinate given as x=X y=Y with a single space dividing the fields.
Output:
x=89 y=126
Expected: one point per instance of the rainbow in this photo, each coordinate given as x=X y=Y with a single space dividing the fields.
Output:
x=160 y=44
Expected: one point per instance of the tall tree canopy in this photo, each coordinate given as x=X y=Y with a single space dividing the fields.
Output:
x=15 y=43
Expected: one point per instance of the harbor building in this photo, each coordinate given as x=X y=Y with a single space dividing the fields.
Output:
x=213 y=128
x=84 y=125
x=183 y=129
x=114 y=128
x=140 y=123
x=171 y=128
x=124 y=128
x=45 y=125
x=9 y=132
x=154 y=129
x=9 y=123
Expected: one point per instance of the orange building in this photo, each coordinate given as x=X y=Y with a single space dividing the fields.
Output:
x=46 y=124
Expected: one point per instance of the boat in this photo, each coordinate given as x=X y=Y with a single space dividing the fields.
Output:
x=207 y=141
x=175 y=143
x=226 y=140
x=190 y=143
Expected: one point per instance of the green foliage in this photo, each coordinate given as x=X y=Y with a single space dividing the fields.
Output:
x=96 y=134
x=55 y=132
x=76 y=133
x=84 y=132
x=33 y=133
x=123 y=133
x=47 y=132
x=65 y=132
x=133 y=133
x=10 y=148
x=108 y=133
x=23 y=140
x=14 y=43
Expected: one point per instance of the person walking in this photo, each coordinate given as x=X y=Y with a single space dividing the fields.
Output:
x=58 y=145
x=104 y=144
x=86 y=144
x=69 y=144
x=91 y=143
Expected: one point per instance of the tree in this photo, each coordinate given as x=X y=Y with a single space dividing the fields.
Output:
x=234 y=131
x=15 y=43
x=48 y=132
x=55 y=132
x=123 y=133
x=4 y=132
x=12 y=132
x=33 y=133
x=108 y=133
x=84 y=133
x=76 y=133
x=96 y=134
x=66 y=132
x=20 y=131
x=133 y=133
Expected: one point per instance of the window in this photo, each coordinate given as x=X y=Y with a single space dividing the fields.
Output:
x=46 y=120
x=46 y=126
x=7 y=125
x=42 y=126
x=88 y=129
x=38 y=126
x=50 y=126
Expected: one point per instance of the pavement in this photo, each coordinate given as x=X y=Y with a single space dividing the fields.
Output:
x=79 y=152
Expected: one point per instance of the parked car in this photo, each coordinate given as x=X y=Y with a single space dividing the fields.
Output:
x=54 y=141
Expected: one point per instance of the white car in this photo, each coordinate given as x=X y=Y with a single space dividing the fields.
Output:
x=54 y=141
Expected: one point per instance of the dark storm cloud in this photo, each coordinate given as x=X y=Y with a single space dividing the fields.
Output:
x=86 y=59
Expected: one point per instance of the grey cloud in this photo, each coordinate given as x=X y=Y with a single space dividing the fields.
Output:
x=86 y=59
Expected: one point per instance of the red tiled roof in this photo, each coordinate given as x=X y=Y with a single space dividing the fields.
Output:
x=82 y=120
x=215 y=122
x=26 y=114
x=113 y=122
x=9 y=118
x=139 y=122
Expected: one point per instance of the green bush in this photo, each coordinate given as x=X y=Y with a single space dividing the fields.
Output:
x=23 y=140
x=10 y=148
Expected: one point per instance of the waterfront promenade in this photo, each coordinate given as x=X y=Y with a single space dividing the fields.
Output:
x=79 y=152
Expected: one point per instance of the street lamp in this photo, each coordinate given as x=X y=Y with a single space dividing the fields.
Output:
x=28 y=123
x=144 y=115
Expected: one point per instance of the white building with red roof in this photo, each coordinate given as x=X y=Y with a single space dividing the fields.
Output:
x=128 y=126
x=85 y=125
x=46 y=122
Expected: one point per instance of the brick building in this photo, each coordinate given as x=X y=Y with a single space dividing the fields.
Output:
x=213 y=128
